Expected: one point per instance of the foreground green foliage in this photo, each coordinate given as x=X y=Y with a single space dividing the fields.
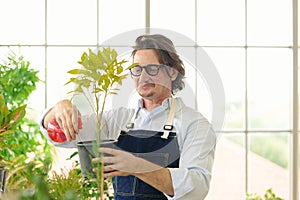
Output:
x=28 y=178
x=8 y=122
x=269 y=195
x=18 y=81
x=60 y=186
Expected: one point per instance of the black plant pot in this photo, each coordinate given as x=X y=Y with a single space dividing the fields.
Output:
x=3 y=175
x=86 y=152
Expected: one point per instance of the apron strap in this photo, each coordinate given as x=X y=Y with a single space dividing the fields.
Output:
x=169 y=126
x=130 y=125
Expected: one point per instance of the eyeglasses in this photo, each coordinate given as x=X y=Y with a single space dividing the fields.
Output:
x=151 y=69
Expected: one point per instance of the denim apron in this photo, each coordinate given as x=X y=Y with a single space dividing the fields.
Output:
x=158 y=147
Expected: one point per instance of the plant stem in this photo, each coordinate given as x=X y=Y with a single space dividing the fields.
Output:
x=102 y=110
x=88 y=98
x=102 y=180
x=97 y=101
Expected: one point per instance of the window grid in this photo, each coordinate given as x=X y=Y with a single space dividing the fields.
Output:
x=294 y=132
x=294 y=192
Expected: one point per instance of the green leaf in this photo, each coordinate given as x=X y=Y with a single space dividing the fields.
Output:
x=119 y=69
x=94 y=61
x=3 y=108
x=77 y=71
x=114 y=54
x=131 y=66
x=6 y=132
x=113 y=93
x=105 y=54
x=84 y=61
x=18 y=114
x=98 y=90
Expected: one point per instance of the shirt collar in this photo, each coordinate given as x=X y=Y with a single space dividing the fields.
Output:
x=166 y=104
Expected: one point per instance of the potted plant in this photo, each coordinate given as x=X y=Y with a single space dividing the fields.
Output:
x=100 y=75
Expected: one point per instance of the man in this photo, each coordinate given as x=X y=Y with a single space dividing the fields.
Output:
x=166 y=149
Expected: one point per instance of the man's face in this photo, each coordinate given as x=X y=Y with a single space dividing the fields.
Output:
x=153 y=87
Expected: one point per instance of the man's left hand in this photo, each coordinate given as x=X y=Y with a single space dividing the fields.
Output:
x=122 y=163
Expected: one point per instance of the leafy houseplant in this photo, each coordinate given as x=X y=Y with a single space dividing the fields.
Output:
x=8 y=122
x=68 y=185
x=99 y=77
x=18 y=81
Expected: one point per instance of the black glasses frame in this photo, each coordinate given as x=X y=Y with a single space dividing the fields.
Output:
x=147 y=68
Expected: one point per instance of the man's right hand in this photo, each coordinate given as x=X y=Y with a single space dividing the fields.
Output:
x=66 y=115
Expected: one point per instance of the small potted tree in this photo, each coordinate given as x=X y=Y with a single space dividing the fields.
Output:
x=99 y=77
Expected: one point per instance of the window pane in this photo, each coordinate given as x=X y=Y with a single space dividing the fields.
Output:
x=72 y=22
x=230 y=63
x=269 y=88
x=36 y=101
x=221 y=22
x=118 y=16
x=175 y=15
x=228 y=175
x=60 y=61
x=269 y=22
x=188 y=94
x=126 y=93
x=210 y=90
x=268 y=163
x=35 y=56
x=20 y=23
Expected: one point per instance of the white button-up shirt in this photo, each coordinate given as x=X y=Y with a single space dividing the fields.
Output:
x=195 y=136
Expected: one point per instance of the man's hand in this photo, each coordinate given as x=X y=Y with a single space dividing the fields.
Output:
x=122 y=163
x=66 y=115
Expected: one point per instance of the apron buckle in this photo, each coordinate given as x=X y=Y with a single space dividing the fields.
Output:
x=130 y=125
x=168 y=127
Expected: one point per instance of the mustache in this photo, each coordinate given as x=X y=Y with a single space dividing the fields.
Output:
x=142 y=83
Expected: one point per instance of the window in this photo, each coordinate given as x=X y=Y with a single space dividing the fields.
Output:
x=249 y=43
